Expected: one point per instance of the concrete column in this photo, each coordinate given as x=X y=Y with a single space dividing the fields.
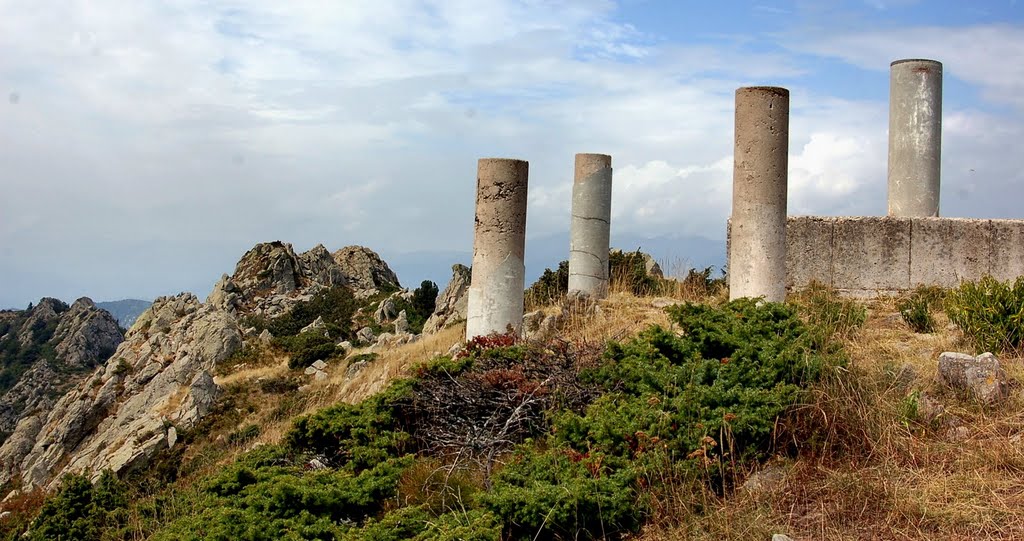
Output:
x=588 y=232
x=497 y=280
x=915 y=137
x=757 y=247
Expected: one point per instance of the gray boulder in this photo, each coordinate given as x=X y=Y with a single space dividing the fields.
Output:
x=317 y=327
x=980 y=378
x=366 y=336
x=365 y=272
x=402 y=323
x=386 y=311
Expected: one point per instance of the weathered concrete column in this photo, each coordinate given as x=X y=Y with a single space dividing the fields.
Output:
x=757 y=247
x=915 y=137
x=588 y=232
x=497 y=280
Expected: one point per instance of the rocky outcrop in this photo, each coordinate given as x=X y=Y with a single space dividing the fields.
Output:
x=365 y=272
x=158 y=378
x=62 y=344
x=271 y=278
x=86 y=335
x=158 y=382
x=452 y=304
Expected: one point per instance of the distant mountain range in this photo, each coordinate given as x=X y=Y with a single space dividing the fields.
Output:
x=125 y=311
x=675 y=254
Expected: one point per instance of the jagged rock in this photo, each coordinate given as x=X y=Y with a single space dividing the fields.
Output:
x=452 y=303
x=366 y=336
x=320 y=375
x=47 y=310
x=345 y=346
x=86 y=335
x=117 y=421
x=979 y=377
x=172 y=437
x=309 y=371
x=265 y=337
x=402 y=323
x=455 y=349
x=317 y=326
x=354 y=368
x=385 y=338
x=268 y=268
x=20 y=442
x=83 y=336
x=386 y=311
x=225 y=295
x=365 y=272
x=319 y=364
x=319 y=267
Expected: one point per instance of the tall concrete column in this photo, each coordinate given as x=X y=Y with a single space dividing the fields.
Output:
x=915 y=137
x=588 y=232
x=497 y=281
x=757 y=247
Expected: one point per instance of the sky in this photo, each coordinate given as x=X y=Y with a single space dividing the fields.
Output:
x=145 y=146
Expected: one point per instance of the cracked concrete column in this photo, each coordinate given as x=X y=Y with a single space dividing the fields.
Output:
x=588 y=232
x=498 y=275
x=757 y=247
x=915 y=137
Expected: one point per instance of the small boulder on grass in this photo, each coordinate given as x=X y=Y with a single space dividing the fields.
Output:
x=978 y=377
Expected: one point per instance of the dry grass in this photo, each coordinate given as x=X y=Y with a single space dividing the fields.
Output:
x=873 y=470
x=880 y=472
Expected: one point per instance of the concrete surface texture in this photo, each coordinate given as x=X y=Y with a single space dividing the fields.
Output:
x=589 y=228
x=497 y=281
x=757 y=248
x=915 y=137
x=871 y=256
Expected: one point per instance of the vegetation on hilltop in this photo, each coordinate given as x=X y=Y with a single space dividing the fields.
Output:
x=650 y=437
x=511 y=440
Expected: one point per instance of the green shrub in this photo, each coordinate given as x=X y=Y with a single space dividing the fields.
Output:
x=700 y=282
x=267 y=496
x=363 y=357
x=830 y=317
x=628 y=272
x=990 y=313
x=306 y=348
x=550 y=288
x=335 y=305
x=80 y=510
x=244 y=434
x=424 y=300
x=916 y=309
x=563 y=494
x=735 y=370
x=356 y=436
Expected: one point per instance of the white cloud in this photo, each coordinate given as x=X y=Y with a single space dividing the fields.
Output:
x=991 y=55
x=151 y=145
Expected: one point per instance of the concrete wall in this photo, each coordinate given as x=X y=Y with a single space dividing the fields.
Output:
x=870 y=256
